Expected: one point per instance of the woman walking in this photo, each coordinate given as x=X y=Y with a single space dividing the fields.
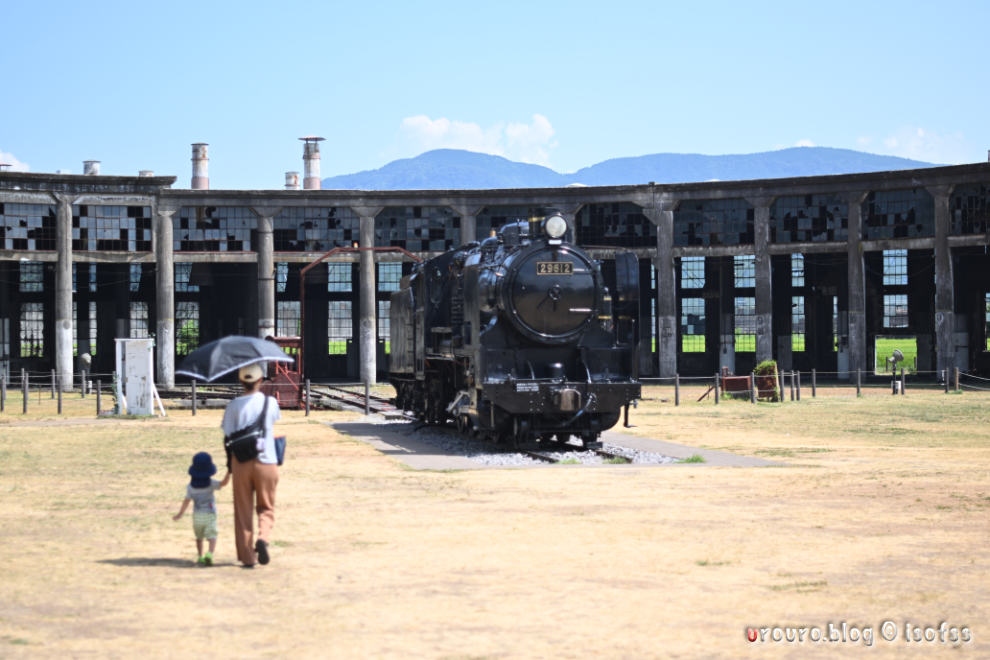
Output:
x=254 y=465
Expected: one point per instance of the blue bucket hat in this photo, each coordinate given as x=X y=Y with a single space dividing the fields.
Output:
x=201 y=470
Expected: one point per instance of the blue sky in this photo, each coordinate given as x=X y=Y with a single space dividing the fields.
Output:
x=562 y=84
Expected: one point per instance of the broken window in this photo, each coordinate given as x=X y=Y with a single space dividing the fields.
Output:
x=111 y=228
x=809 y=218
x=27 y=226
x=315 y=229
x=32 y=333
x=213 y=229
x=895 y=267
x=384 y=322
x=139 y=319
x=895 y=311
x=899 y=214
x=32 y=278
x=745 y=319
x=281 y=277
x=186 y=327
x=797 y=270
x=339 y=326
x=744 y=269
x=182 y=272
x=797 y=324
x=287 y=318
x=693 y=325
x=970 y=208
x=692 y=272
x=616 y=224
x=418 y=228
x=339 y=277
x=389 y=276
x=713 y=222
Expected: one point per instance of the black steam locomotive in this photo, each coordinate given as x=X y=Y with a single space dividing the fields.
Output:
x=518 y=338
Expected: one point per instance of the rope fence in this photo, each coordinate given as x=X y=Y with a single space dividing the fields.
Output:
x=788 y=385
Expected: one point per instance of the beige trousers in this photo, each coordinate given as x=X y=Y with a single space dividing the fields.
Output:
x=254 y=489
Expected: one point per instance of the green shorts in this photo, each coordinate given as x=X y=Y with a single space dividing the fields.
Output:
x=205 y=524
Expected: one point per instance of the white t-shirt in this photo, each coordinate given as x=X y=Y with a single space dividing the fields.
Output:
x=243 y=411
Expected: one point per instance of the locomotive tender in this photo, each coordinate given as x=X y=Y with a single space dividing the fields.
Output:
x=518 y=338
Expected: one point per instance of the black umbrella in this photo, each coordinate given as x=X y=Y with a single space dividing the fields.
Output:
x=213 y=360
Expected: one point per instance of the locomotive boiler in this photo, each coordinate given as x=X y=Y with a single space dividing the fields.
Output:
x=521 y=337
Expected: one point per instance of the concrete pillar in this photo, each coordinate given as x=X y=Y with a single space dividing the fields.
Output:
x=63 y=292
x=726 y=312
x=764 y=287
x=265 y=248
x=945 y=347
x=164 y=298
x=367 y=327
x=857 y=286
x=469 y=222
x=783 y=330
x=663 y=217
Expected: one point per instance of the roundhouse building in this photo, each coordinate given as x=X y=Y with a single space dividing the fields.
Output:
x=809 y=271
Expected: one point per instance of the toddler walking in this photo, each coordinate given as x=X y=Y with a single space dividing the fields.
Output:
x=200 y=493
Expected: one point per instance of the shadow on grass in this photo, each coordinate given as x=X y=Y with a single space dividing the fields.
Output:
x=170 y=562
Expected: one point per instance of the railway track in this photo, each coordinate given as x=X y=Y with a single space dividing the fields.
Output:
x=547 y=458
x=335 y=396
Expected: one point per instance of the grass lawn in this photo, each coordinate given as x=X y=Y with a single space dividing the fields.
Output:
x=876 y=510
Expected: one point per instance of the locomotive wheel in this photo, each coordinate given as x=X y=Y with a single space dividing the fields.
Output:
x=588 y=439
x=562 y=438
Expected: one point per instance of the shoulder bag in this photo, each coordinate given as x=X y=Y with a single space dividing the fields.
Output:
x=243 y=444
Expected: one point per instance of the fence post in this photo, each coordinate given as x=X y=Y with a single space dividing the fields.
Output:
x=677 y=389
x=798 y=385
x=956 y=371
x=60 y=398
x=3 y=391
x=367 y=388
x=902 y=381
x=780 y=383
x=24 y=389
x=791 y=381
x=716 y=388
x=82 y=383
x=859 y=382
x=193 y=383
x=99 y=386
x=53 y=383
x=814 y=383
x=945 y=377
x=752 y=387
x=307 y=397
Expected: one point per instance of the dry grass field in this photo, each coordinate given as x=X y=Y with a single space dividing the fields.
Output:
x=878 y=512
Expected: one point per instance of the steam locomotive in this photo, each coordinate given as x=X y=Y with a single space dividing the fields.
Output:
x=518 y=338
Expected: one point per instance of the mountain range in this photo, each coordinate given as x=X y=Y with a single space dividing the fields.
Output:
x=456 y=169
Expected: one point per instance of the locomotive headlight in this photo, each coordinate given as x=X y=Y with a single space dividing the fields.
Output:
x=555 y=226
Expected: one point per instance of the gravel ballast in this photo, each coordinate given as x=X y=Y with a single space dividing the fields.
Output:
x=453 y=443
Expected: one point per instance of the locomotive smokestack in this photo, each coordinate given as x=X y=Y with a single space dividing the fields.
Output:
x=200 y=166
x=311 y=162
x=292 y=180
x=91 y=167
x=145 y=173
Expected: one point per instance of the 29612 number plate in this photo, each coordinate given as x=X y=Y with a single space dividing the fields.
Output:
x=554 y=267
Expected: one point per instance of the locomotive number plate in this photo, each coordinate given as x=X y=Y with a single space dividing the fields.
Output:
x=554 y=267
x=527 y=387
